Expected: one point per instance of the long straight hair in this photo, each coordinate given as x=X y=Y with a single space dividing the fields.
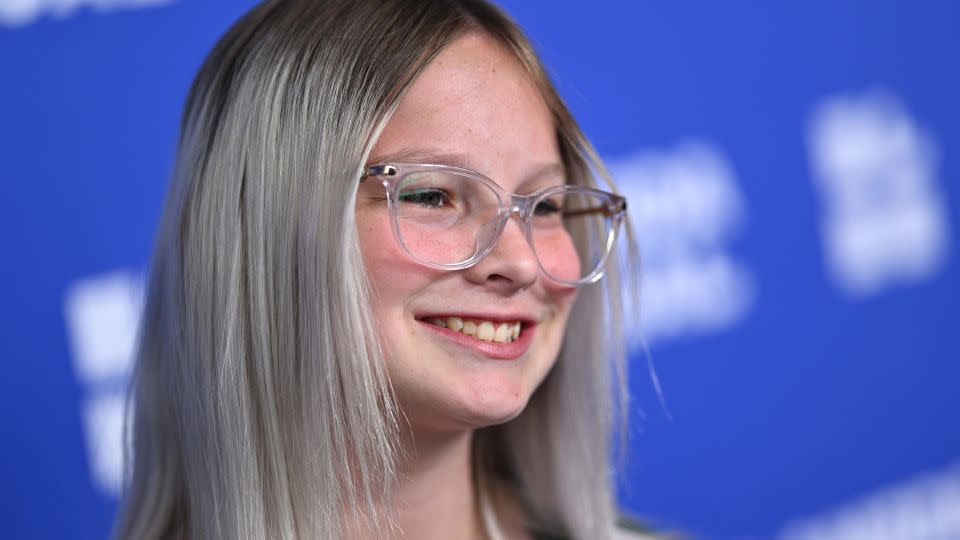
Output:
x=261 y=406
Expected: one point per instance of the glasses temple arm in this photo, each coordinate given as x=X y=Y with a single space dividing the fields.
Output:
x=605 y=210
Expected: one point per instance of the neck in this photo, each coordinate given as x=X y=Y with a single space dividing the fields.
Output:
x=434 y=498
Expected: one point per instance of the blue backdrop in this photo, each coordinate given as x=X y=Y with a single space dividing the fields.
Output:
x=793 y=174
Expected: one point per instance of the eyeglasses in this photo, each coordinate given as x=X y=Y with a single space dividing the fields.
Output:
x=450 y=218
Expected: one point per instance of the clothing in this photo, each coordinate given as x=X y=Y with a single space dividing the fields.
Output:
x=627 y=529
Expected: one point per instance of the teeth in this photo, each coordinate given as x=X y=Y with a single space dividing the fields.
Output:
x=482 y=330
x=503 y=333
x=485 y=331
x=455 y=323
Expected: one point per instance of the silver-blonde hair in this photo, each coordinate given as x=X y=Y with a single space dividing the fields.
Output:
x=261 y=406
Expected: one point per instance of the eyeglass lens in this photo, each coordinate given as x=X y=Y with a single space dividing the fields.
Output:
x=448 y=218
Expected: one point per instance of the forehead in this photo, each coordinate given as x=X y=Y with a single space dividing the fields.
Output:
x=477 y=101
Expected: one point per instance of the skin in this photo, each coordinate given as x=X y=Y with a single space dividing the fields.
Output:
x=473 y=106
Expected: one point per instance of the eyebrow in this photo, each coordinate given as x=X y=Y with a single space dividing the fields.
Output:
x=457 y=159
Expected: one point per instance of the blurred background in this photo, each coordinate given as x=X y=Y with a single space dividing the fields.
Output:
x=792 y=170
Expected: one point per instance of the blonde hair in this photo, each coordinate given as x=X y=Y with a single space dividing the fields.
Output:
x=261 y=407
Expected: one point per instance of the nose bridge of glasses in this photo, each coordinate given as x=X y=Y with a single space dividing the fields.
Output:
x=519 y=206
x=522 y=207
x=514 y=205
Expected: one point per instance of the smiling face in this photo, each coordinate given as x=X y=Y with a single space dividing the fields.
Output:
x=450 y=340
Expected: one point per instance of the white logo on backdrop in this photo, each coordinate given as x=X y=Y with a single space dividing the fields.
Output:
x=883 y=219
x=686 y=207
x=102 y=316
x=23 y=12
x=924 y=508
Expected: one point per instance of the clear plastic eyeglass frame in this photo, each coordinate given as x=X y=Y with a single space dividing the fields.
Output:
x=614 y=208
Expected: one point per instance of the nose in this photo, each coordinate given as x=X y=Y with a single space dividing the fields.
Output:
x=511 y=264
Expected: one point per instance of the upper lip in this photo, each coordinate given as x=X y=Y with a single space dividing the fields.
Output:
x=478 y=316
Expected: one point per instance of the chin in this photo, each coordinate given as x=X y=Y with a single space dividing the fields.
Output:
x=457 y=394
x=488 y=406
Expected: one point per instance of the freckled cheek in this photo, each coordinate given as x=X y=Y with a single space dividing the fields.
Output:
x=558 y=296
x=562 y=299
x=376 y=242
x=393 y=274
x=558 y=254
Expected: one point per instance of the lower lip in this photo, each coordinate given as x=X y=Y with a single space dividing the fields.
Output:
x=497 y=351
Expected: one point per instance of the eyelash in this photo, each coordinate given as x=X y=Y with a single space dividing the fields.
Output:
x=551 y=207
x=410 y=196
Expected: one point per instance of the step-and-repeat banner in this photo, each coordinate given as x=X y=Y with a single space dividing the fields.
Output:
x=793 y=174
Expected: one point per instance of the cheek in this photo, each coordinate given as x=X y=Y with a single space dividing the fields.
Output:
x=376 y=239
x=394 y=276
x=564 y=297
x=558 y=254
x=384 y=259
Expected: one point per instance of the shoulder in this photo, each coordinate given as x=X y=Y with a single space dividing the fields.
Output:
x=626 y=534
x=630 y=528
x=622 y=533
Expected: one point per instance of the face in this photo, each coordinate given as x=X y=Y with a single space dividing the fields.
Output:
x=474 y=106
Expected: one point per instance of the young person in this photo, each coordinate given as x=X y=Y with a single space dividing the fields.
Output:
x=384 y=300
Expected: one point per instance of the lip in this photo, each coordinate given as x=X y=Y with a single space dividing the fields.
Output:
x=524 y=318
x=491 y=349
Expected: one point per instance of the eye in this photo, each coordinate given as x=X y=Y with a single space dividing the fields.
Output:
x=425 y=197
x=546 y=207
